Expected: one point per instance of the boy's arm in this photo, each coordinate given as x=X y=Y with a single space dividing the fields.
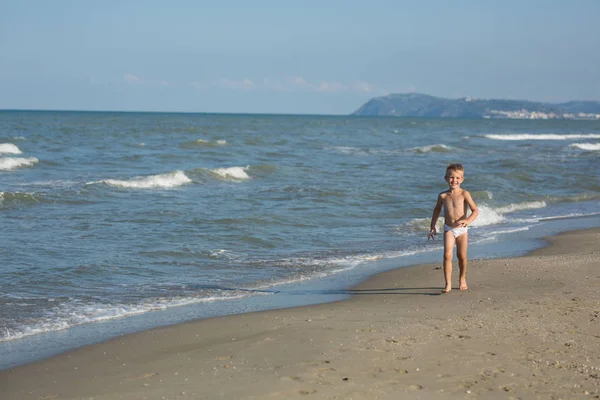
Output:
x=473 y=207
x=436 y=213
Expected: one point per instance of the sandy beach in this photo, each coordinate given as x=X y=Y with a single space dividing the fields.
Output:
x=528 y=328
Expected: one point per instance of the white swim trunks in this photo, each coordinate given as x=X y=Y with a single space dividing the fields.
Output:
x=456 y=231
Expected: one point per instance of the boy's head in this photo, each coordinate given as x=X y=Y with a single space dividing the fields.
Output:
x=455 y=168
x=455 y=175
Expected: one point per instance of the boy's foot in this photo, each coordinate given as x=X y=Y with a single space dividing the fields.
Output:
x=463 y=286
x=446 y=290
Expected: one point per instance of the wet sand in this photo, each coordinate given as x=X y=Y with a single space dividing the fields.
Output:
x=528 y=328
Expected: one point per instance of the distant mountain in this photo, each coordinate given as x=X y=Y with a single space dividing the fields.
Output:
x=423 y=105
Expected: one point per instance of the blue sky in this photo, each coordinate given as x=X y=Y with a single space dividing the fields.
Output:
x=298 y=57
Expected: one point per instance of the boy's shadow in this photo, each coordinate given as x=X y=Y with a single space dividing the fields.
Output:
x=403 y=290
x=422 y=291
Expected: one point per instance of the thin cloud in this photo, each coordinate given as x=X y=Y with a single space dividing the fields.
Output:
x=300 y=83
x=274 y=85
x=363 y=87
x=198 y=85
x=331 y=87
x=244 y=84
x=288 y=84
x=131 y=79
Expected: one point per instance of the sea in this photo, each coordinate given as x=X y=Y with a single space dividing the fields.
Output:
x=117 y=222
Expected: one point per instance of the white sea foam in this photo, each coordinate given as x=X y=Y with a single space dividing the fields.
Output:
x=586 y=146
x=160 y=181
x=9 y=148
x=487 y=216
x=68 y=315
x=227 y=254
x=219 y=142
x=492 y=216
x=527 y=136
x=552 y=218
x=335 y=265
x=10 y=163
x=566 y=216
x=205 y=143
x=440 y=148
x=436 y=148
x=356 y=151
x=75 y=313
x=506 y=231
x=346 y=150
x=235 y=173
x=528 y=205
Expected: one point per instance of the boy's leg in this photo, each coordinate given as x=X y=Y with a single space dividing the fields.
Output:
x=462 y=242
x=448 y=249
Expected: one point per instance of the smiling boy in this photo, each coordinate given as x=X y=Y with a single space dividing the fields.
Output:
x=455 y=202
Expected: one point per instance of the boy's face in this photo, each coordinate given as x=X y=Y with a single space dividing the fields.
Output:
x=454 y=179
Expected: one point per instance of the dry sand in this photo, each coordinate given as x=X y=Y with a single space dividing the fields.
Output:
x=528 y=328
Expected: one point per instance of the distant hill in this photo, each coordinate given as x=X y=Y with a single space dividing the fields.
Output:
x=423 y=105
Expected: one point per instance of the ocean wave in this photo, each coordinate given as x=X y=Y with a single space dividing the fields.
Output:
x=575 y=199
x=586 y=146
x=356 y=151
x=550 y=136
x=435 y=148
x=566 y=216
x=10 y=163
x=309 y=268
x=347 y=150
x=7 y=198
x=514 y=230
x=55 y=183
x=160 y=181
x=528 y=205
x=74 y=313
x=9 y=148
x=487 y=216
x=227 y=255
x=232 y=173
x=554 y=217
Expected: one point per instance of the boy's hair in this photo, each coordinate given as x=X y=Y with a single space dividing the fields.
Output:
x=454 y=168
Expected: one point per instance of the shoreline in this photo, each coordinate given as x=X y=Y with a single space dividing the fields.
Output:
x=527 y=327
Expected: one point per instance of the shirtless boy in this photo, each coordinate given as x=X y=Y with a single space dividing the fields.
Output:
x=455 y=202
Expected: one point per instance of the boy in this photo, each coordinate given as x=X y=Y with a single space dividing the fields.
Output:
x=455 y=202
